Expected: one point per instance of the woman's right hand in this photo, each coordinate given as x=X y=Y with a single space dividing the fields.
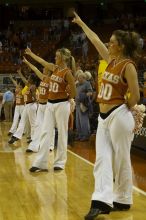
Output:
x=27 y=50
x=24 y=60
x=19 y=71
x=10 y=76
x=77 y=19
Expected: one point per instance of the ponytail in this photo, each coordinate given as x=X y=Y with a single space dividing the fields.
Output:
x=72 y=65
x=68 y=58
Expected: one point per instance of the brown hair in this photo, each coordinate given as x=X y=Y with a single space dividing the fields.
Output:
x=131 y=42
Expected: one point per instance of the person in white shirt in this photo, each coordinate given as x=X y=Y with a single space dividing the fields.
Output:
x=7 y=102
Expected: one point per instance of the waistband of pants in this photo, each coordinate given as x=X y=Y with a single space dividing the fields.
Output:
x=105 y=115
x=42 y=103
x=57 y=100
x=29 y=103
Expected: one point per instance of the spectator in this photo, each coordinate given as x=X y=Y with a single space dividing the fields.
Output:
x=84 y=92
x=7 y=102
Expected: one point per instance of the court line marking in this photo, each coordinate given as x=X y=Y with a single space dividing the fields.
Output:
x=90 y=163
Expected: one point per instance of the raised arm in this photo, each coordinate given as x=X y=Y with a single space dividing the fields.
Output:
x=34 y=68
x=95 y=40
x=21 y=76
x=13 y=80
x=44 y=63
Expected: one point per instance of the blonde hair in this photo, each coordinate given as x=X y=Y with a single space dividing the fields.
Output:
x=78 y=72
x=68 y=58
x=81 y=73
x=88 y=75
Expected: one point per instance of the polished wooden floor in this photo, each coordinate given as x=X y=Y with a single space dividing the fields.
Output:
x=61 y=195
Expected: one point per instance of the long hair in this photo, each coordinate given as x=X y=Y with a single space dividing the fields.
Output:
x=68 y=59
x=21 y=83
x=34 y=79
x=130 y=41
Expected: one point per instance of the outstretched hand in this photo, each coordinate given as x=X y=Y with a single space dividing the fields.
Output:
x=24 y=60
x=27 y=50
x=19 y=71
x=76 y=19
x=10 y=76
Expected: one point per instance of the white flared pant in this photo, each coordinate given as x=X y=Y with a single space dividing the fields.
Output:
x=113 y=143
x=56 y=114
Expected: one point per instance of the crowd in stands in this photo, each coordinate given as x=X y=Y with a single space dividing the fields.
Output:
x=43 y=36
x=15 y=39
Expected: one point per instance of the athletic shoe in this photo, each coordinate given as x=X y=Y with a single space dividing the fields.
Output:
x=94 y=212
x=58 y=168
x=77 y=139
x=120 y=207
x=13 y=139
x=84 y=139
x=29 y=151
x=10 y=133
x=37 y=169
x=29 y=141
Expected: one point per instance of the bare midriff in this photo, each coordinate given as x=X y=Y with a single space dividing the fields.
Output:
x=104 y=108
x=43 y=100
